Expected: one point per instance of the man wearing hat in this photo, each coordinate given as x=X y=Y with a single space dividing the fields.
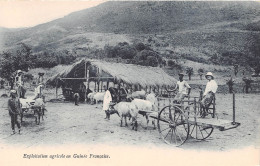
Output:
x=13 y=108
x=184 y=89
x=20 y=83
x=210 y=90
x=18 y=79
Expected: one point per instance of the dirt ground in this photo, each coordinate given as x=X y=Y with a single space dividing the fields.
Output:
x=65 y=123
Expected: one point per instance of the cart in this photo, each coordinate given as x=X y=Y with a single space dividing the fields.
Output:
x=28 y=107
x=178 y=122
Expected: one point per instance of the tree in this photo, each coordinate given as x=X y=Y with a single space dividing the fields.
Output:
x=139 y=46
x=163 y=62
x=189 y=71
x=9 y=64
x=230 y=82
x=148 y=58
x=152 y=61
x=126 y=52
x=247 y=86
x=171 y=63
x=235 y=69
x=253 y=58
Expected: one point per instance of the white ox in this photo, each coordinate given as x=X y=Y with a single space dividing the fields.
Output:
x=37 y=105
x=137 y=94
x=144 y=107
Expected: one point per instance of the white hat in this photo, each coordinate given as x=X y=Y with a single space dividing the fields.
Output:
x=209 y=74
x=181 y=73
x=19 y=71
x=13 y=91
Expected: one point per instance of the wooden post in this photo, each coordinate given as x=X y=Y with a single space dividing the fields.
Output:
x=158 y=99
x=234 y=108
x=214 y=107
x=195 y=111
x=119 y=86
x=56 y=89
x=95 y=88
x=85 y=96
x=107 y=84
x=88 y=78
x=98 y=79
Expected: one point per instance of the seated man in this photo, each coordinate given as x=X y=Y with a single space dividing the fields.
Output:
x=209 y=93
x=183 y=86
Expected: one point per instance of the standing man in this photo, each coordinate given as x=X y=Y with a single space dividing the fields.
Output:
x=13 y=108
x=209 y=93
x=106 y=102
x=184 y=89
x=38 y=91
x=20 y=84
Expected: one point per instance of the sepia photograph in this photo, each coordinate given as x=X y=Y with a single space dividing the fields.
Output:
x=97 y=82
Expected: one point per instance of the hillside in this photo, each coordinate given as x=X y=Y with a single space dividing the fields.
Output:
x=183 y=29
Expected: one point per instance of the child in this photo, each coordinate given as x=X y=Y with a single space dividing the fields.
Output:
x=13 y=108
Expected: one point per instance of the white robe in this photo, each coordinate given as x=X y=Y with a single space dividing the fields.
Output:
x=107 y=100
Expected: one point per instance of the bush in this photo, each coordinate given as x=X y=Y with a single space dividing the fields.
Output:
x=139 y=46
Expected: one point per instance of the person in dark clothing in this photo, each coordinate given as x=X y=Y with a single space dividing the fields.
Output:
x=76 y=99
x=13 y=108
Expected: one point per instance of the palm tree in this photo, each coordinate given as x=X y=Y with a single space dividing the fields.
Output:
x=235 y=69
x=189 y=71
x=230 y=84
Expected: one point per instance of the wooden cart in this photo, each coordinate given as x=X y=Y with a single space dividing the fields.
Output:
x=28 y=108
x=177 y=122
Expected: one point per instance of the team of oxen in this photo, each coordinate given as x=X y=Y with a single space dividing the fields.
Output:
x=36 y=105
x=128 y=105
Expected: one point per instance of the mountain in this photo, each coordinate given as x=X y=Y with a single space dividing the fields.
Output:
x=191 y=28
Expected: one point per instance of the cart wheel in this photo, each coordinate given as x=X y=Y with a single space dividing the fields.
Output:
x=200 y=132
x=173 y=125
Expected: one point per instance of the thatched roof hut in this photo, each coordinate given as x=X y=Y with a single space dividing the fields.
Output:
x=131 y=74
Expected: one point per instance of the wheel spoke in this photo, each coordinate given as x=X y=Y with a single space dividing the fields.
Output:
x=178 y=134
x=164 y=129
x=167 y=133
x=201 y=132
x=205 y=131
x=171 y=136
x=192 y=129
x=175 y=137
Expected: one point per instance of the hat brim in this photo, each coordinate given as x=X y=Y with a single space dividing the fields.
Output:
x=209 y=75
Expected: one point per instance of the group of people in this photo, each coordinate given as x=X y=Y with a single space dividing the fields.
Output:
x=184 y=90
x=208 y=95
x=14 y=104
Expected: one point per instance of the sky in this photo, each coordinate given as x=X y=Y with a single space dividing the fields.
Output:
x=28 y=13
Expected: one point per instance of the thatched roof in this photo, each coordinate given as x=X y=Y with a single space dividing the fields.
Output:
x=128 y=73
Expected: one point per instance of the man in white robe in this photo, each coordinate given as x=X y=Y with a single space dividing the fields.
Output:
x=106 y=102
